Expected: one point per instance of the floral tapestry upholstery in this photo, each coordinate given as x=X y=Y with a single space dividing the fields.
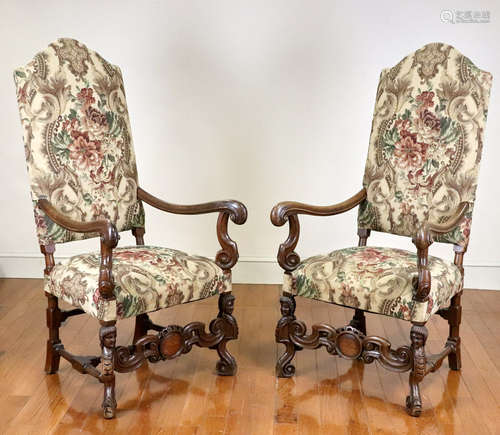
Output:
x=426 y=143
x=147 y=278
x=77 y=139
x=379 y=280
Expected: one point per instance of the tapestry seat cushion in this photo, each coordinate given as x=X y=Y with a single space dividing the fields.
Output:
x=147 y=278
x=379 y=280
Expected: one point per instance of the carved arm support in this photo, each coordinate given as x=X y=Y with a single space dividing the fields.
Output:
x=289 y=211
x=109 y=240
x=423 y=239
x=226 y=257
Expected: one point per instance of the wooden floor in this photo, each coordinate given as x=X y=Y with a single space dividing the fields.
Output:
x=328 y=394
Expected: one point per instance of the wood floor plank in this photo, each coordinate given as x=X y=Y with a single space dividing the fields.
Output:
x=349 y=384
x=462 y=408
x=184 y=396
x=307 y=401
x=332 y=404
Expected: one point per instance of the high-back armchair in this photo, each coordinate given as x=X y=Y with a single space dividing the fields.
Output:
x=420 y=181
x=83 y=175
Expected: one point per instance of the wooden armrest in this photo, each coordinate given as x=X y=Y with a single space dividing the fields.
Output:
x=226 y=257
x=281 y=211
x=236 y=210
x=423 y=239
x=109 y=240
x=289 y=211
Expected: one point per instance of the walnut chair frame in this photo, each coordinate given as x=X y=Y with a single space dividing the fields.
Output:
x=84 y=184
x=352 y=341
x=170 y=342
x=441 y=87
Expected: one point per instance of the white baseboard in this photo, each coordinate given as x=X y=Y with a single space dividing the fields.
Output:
x=249 y=270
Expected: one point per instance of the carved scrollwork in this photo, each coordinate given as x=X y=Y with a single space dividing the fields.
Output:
x=227 y=256
x=170 y=343
x=346 y=342
x=175 y=340
x=129 y=358
x=287 y=257
x=378 y=348
x=350 y=343
x=321 y=335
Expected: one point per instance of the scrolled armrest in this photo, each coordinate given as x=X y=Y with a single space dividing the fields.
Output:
x=288 y=259
x=235 y=209
x=423 y=239
x=109 y=240
x=282 y=211
x=226 y=257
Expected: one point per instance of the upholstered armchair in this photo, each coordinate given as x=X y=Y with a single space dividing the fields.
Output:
x=84 y=184
x=420 y=181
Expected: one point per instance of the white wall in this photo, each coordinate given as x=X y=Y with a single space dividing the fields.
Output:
x=260 y=101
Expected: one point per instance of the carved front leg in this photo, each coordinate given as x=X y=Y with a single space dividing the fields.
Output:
x=418 y=337
x=284 y=368
x=226 y=366
x=107 y=335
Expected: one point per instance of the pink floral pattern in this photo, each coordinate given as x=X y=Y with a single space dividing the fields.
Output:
x=147 y=278
x=80 y=156
x=426 y=142
x=374 y=279
x=77 y=139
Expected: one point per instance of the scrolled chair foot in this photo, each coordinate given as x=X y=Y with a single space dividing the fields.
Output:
x=284 y=367
x=109 y=407
x=226 y=366
x=413 y=406
x=108 y=413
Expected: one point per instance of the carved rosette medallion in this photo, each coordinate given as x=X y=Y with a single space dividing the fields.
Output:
x=171 y=342
x=349 y=343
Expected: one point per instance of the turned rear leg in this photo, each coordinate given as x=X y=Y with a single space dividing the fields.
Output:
x=142 y=322
x=454 y=319
x=359 y=321
x=53 y=323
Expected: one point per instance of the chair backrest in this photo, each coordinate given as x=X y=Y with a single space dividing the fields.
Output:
x=77 y=139
x=426 y=143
